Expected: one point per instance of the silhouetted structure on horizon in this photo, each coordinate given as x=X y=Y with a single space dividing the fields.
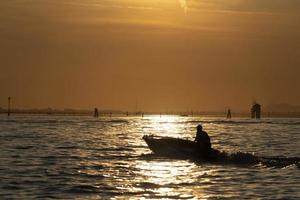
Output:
x=96 y=112
x=256 y=111
x=8 y=106
x=228 y=114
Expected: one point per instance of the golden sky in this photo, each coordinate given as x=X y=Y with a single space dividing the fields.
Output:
x=157 y=55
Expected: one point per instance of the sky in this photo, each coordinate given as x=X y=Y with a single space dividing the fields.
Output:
x=150 y=55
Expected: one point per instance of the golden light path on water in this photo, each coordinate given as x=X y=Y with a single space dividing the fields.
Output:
x=166 y=125
x=164 y=177
x=170 y=176
x=161 y=176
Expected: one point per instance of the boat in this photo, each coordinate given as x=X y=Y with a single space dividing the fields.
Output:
x=177 y=147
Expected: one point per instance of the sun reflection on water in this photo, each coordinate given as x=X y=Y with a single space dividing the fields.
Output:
x=160 y=175
x=153 y=177
x=170 y=178
x=166 y=125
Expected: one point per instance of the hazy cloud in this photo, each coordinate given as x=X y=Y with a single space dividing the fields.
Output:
x=270 y=6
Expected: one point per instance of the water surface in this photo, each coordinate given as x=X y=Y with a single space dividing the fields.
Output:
x=86 y=158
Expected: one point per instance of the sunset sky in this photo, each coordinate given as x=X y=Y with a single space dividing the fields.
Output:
x=156 y=55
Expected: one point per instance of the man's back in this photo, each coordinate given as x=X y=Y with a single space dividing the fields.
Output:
x=203 y=141
x=202 y=136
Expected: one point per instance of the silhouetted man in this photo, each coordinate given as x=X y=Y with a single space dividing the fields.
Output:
x=203 y=141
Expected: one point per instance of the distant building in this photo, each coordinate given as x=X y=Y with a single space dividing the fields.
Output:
x=256 y=111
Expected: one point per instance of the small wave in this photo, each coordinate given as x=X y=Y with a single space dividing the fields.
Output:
x=67 y=147
x=24 y=147
x=148 y=185
x=172 y=197
x=46 y=196
x=11 y=187
x=106 y=121
x=95 y=176
x=241 y=122
x=8 y=120
x=116 y=157
x=79 y=189
x=280 y=162
x=91 y=189
x=118 y=121
x=178 y=185
x=19 y=136
x=112 y=149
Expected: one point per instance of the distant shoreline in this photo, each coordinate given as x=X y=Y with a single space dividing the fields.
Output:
x=122 y=113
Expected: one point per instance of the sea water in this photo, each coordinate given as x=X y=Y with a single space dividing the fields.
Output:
x=80 y=157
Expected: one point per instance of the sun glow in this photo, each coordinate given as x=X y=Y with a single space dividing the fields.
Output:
x=183 y=4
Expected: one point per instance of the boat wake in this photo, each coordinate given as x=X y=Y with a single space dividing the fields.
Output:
x=241 y=158
x=280 y=162
x=238 y=158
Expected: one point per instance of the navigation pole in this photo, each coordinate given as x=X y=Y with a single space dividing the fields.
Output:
x=8 y=106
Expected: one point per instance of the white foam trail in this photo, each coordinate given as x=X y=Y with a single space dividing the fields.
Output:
x=183 y=4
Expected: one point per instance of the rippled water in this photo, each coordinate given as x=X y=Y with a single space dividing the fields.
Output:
x=86 y=158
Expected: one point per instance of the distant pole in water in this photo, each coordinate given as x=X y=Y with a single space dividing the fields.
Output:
x=96 y=112
x=228 y=114
x=8 y=106
x=127 y=114
x=142 y=114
